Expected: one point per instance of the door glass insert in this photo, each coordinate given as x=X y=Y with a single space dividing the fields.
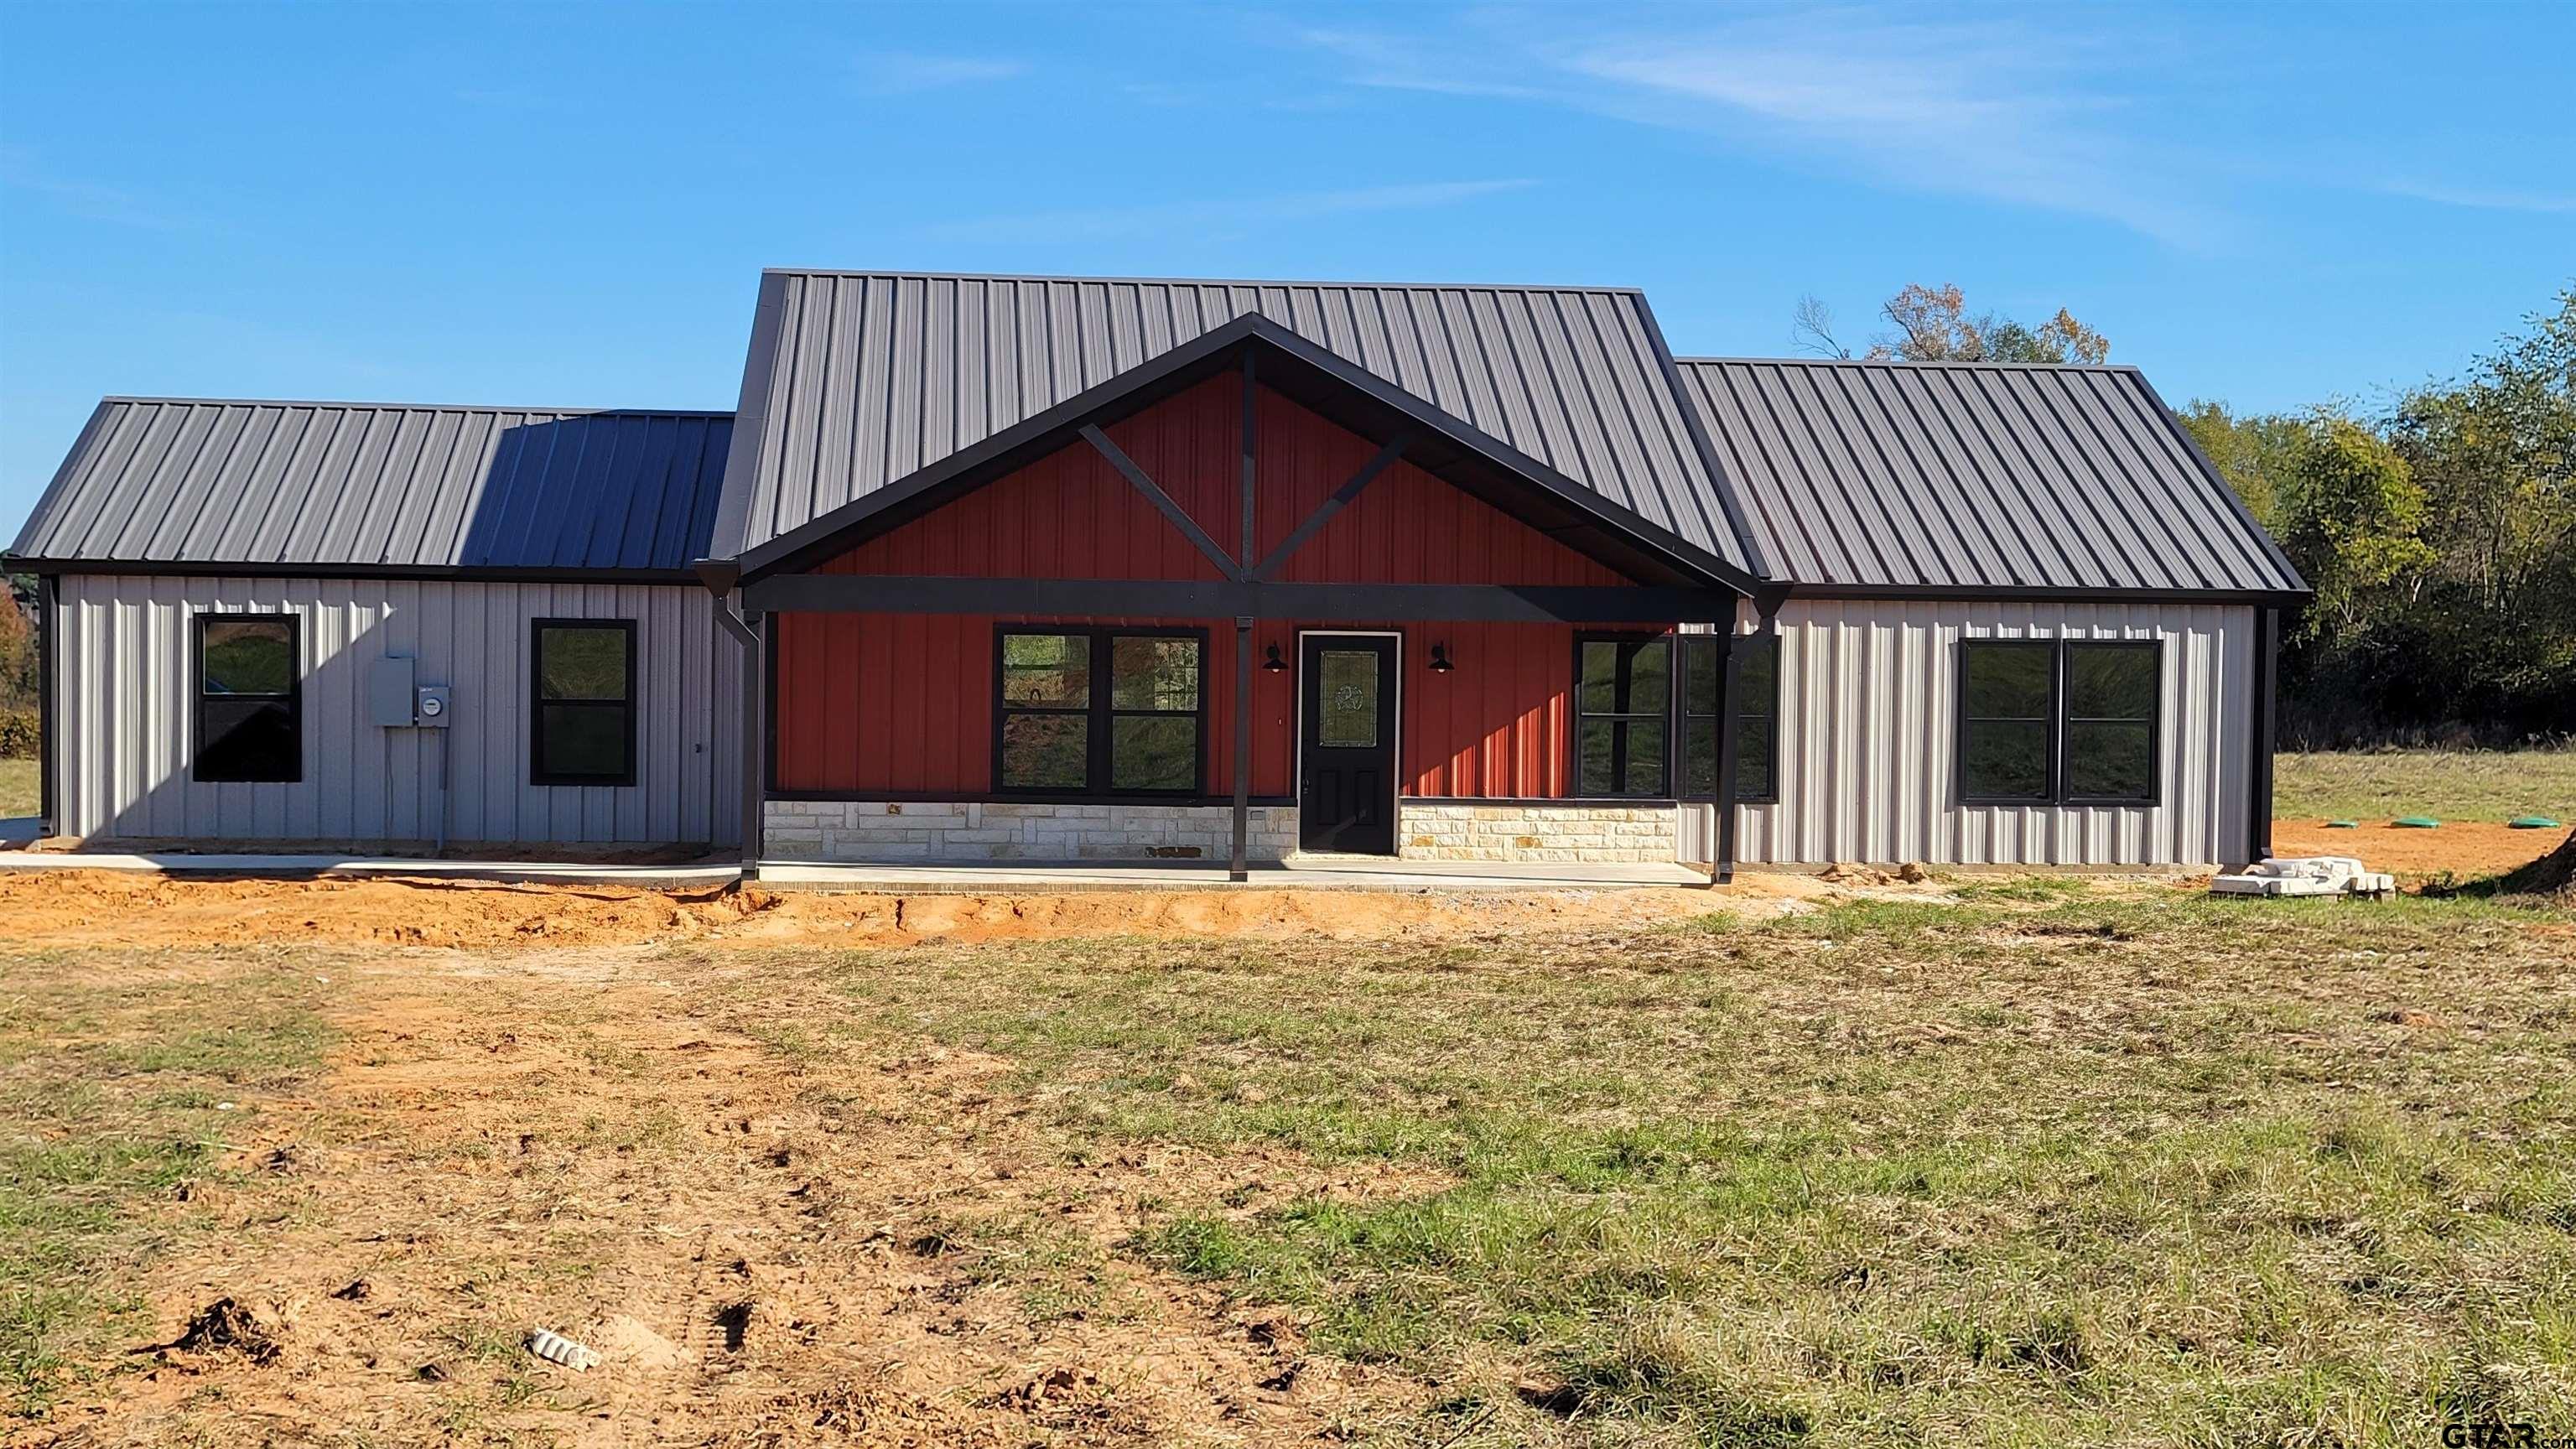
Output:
x=1346 y=714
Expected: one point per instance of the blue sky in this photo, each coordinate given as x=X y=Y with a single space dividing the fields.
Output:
x=569 y=205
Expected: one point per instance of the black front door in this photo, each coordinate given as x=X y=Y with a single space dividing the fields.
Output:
x=1346 y=744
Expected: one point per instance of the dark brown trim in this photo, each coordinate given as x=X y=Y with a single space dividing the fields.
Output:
x=537 y=701
x=2049 y=721
x=1101 y=712
x=1733 y=651
x=2155 y=650
x=2265 y=732
x=1576 y=714
x=48 y=749
x=2061 y=653
x=1143 y=482
x=832 y=531
x=425 y=573
x=1972 y=593
x=1324 y=511
x=1215 y=599
x=293 y=698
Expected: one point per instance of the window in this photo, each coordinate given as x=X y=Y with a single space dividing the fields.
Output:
x=2111 y=694
x=250 y=716
x=583 y=730
x=1757 y=709
x=1099 y=712
x=2048 y=721
x=1621 y=715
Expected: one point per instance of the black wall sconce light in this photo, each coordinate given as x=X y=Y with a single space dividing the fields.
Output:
x=1274 y=664
x=1440 y=659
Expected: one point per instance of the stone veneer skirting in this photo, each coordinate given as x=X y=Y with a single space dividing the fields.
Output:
x=1468 y=830
x=881 y=830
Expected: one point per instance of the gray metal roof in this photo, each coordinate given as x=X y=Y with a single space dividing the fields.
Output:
x=273 y=485
x=857 y=380
x=1976 y=477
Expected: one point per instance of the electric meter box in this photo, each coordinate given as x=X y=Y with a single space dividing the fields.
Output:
x=389 y=693
x=432 y=707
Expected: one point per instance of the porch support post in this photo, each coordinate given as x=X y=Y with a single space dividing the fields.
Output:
x=1237 y=865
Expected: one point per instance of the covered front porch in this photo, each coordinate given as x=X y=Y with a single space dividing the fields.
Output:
x=1017 y=661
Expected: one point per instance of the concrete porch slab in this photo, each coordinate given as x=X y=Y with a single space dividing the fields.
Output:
x=1304 y=872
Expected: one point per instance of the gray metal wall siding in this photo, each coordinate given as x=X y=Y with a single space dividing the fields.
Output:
x=1884 y=475
x=861 y=379
x=166 y=481
x=1867 y=730
x=126 y=678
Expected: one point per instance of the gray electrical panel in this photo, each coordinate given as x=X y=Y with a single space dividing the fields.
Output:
x=389 y=693
x=430 y=710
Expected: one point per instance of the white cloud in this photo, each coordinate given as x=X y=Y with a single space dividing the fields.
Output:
x=898 y=73
x=2484 y=198
x=1226 y=216
x=1987 y=109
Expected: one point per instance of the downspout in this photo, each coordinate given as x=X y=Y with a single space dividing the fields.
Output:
x=1730 y=729
x=720 y=577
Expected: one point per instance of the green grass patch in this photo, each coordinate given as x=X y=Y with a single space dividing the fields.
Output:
x=21 y=788
x=2380 y=785
x=111 y=1097
x=2025 y=1168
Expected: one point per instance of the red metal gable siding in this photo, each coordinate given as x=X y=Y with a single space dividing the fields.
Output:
x=870 y=704
x=1070 y=516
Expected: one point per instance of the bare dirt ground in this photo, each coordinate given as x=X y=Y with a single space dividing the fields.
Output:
x=560 y=1138
x=91 y=908
x=2464 y=849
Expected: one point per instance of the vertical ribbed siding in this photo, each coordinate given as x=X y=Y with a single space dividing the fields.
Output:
x=126 y=682
x=1867 y=767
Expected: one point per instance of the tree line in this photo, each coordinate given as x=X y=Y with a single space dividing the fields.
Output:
x=2438 y=530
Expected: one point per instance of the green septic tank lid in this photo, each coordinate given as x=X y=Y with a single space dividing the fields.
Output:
x=2415 y=822
x=2532 y=822
x=2343 y=825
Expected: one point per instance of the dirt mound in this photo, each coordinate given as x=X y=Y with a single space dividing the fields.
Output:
x=111 y=908
x=2553 y=874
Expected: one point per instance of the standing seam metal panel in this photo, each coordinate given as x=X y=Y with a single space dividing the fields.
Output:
x=126 y=681
x=1867 y=751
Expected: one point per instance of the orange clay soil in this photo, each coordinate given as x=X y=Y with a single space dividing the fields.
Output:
x=889 y=1247
x=2466 y=849
x=107 y=908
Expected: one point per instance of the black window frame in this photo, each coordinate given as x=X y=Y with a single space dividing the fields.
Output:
x=2154 y=649
x=537 y=702
x=1101 y=713
x=293 y=699
x=1733 y=714
x=2058 y=790
x=1668 y=717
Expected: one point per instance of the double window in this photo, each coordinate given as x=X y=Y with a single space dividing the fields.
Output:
x=2046 y=721
x=250 y=714
x=1099 y=712
x=583 y=727
x=1623 y=716
x=1757 y=716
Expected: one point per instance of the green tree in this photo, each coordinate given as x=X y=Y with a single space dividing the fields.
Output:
x=2252 y=452
x=2351 y=516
